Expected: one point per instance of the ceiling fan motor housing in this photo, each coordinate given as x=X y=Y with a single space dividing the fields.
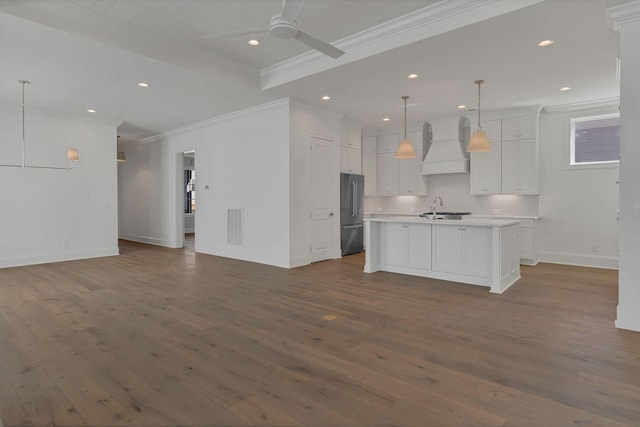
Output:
x=283 y=28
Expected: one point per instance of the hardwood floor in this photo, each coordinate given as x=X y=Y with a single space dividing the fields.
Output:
x=165 y=337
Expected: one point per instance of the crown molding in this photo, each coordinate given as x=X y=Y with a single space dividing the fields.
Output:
x=613 y=102
x=623 y=14
x=424 y=23
x=296 y=103
x=215 y=120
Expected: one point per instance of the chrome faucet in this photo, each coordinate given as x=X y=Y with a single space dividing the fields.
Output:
x=434 y=205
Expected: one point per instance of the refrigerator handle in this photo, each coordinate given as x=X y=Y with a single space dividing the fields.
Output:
x=355 y=198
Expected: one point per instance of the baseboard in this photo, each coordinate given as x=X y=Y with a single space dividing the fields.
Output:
x=147 y=240
x=579 y=260
x=299 y=261
x=57 y=257
x=627 y=320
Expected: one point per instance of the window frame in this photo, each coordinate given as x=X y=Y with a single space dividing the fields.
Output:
x=581 y=165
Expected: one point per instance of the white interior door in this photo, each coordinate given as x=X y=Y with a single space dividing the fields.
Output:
x=321 y=214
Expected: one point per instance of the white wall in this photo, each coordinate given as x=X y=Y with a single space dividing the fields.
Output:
x=628 y=20
x=578 y=205
x=244 y=159
x=41 y=209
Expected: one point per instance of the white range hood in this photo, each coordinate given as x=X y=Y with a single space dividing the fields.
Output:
x=445 y=143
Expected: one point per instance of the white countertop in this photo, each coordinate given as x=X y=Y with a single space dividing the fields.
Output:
x=483 y=222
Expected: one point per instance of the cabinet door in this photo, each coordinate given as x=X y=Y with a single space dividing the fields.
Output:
x=519 y=167
x=410 y=178
x=447 y=248
x=350 y=134
x=509 y=167
x=527 y=128
x=387 y=143
x=419 y=246
x=387 y=174
x=526 y=243
x=478 y=251
x=394 y=244
x=350 y=160
x=486 y=171
x=527 y=167
x=369 y=172
x=369 y=144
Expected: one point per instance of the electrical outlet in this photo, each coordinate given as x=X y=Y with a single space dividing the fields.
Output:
x=495 y=211
x=378 y=209
x=412 y=209
x=66 y=243
x=595 y=248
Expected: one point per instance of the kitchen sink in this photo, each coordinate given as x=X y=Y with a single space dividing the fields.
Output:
x=444 y=215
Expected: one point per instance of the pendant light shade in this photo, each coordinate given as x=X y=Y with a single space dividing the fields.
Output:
x=72 y=155
x=479 y=142
x=405 y=149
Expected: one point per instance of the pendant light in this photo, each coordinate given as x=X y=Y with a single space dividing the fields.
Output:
x=405 y=149
x=72 y=153
x=478 y=142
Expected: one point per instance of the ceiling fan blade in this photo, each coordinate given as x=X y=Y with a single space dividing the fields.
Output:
x=291 y=8
x=319 y=45
x=235 y=33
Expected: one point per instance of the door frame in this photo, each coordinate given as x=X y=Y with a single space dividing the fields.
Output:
x=334 y=197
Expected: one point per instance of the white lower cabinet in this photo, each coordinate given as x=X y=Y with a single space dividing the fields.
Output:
x=406 y=245
x=463 y=250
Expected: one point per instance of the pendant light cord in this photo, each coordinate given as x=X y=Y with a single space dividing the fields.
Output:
x=405 y=116
x=479 y=82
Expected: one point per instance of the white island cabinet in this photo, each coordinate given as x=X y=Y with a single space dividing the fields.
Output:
x=476 y=251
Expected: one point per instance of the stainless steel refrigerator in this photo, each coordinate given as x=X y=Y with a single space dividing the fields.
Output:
x=351 y=213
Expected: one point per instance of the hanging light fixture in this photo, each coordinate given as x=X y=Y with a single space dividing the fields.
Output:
x=72 y=153
x=478 y=142
x=405 y=149
x=120 y=156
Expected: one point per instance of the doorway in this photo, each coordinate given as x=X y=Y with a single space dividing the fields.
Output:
x=189 y=198
x=322 y=222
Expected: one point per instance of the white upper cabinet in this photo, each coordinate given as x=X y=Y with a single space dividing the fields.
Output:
x=511 y=167
x=486 y=168
x=350 y=147
x=387 y=143
x=386 y=174
x=519 y=156
x=398 y=176
x=519 y=128
x=369 y=145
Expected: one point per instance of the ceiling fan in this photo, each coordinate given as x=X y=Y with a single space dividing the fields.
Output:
x=284 y=26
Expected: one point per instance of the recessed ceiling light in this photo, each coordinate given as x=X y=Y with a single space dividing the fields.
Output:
x=461 y=107
x=386 y=119
x=143 y=84
x=91 y=110
x=253 y=42
x=326 y=98
x=545 y=43
x=412 y=76
x=564 y=89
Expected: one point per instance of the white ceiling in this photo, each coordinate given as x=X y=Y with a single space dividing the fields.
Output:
x=91 y=54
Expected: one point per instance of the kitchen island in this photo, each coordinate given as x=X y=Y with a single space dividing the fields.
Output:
x=476 y=251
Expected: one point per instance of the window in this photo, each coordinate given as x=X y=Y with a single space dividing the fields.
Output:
x=595 y=140
x=189 y=191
